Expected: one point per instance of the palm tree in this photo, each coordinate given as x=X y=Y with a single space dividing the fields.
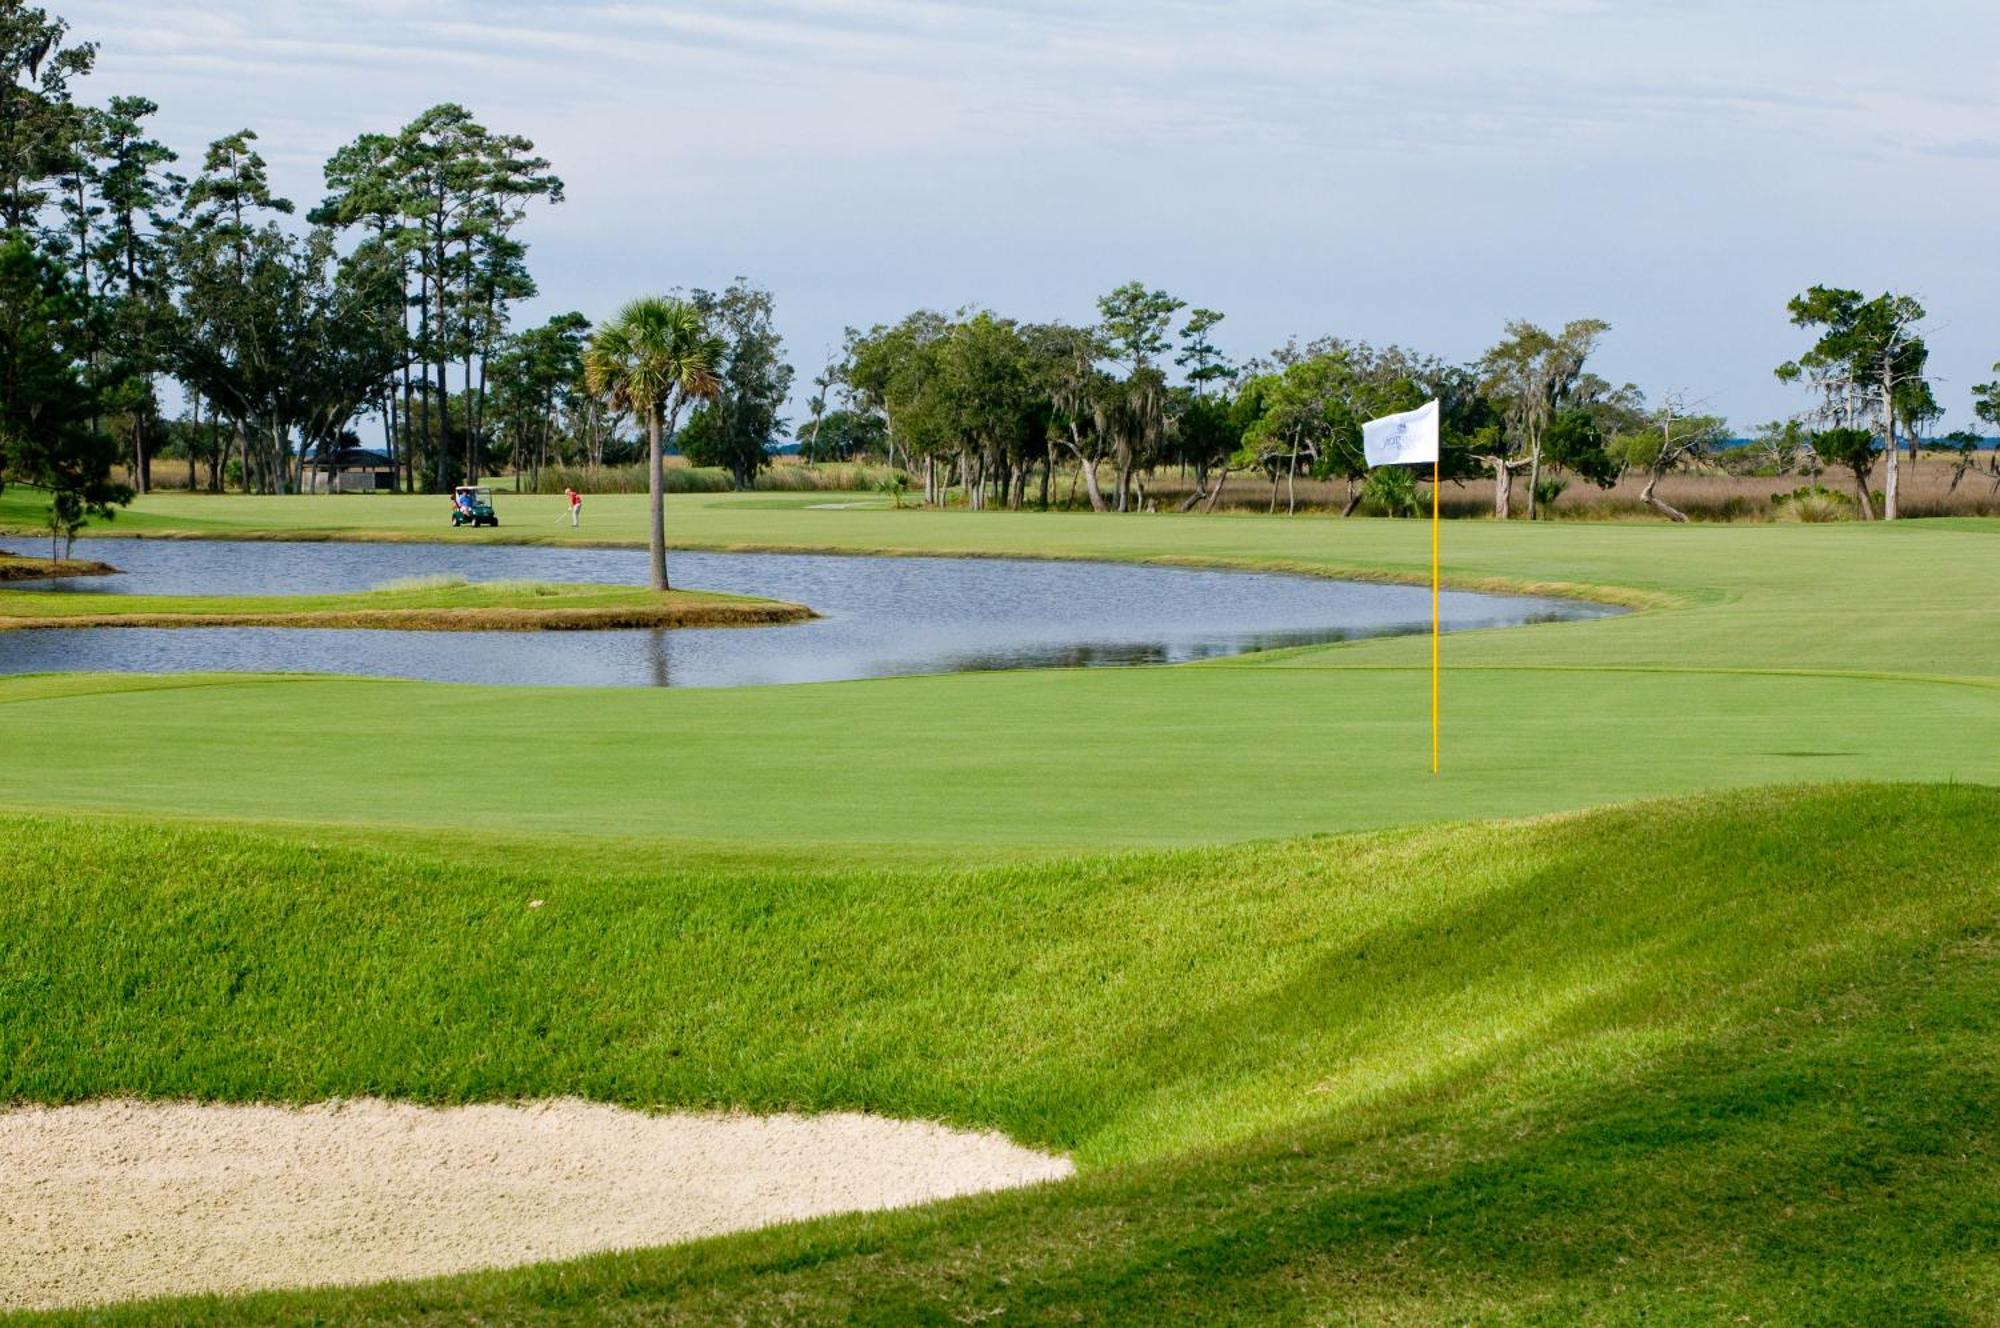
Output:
x=654 y=358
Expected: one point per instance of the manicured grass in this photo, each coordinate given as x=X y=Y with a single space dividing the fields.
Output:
x=966 y=768
x=1668 y=1063
x=444 y=605
x=1779 y=653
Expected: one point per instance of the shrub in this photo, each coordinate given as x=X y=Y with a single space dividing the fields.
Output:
x=1390 y=491
x=1814 y=504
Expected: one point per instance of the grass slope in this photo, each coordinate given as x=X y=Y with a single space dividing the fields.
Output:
x=444 y=606
x=1682 y=1062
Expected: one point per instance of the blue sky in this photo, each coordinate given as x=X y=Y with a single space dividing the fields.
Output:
x=1396 y=170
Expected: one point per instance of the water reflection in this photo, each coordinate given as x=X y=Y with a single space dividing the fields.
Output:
x=656 y=655
x=882 y=616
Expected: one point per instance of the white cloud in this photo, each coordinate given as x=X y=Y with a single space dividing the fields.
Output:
x=1674 y=164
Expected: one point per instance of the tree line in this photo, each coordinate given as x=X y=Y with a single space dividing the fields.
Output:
x=994 y=410
x=393 y=298
x=120 y=272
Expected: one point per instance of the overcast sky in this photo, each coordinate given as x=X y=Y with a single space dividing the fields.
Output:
x=1396 y=170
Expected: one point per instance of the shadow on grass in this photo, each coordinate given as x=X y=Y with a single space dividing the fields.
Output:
x=1764 y=1093
x=1833 y=1162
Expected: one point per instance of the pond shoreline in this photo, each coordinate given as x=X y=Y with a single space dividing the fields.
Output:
x=886 y=616
x=1622 y=597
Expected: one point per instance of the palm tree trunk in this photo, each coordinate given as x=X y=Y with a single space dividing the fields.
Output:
x=656 y=544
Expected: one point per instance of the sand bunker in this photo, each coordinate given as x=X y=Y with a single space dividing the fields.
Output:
x=119 y=1200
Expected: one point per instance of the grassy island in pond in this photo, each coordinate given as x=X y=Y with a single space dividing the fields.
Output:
x=15 y=568
x=437 y=605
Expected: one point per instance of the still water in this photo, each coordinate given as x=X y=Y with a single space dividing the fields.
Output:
x=880 y=616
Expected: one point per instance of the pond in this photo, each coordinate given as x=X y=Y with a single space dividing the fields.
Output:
x=880 y=616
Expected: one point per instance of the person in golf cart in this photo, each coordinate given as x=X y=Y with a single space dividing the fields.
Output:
x=472 y=506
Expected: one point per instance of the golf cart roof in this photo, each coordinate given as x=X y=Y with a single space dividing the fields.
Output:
x=473 y=488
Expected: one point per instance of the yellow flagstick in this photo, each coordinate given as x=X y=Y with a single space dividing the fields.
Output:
x=1386 y=441
x=1434 y=614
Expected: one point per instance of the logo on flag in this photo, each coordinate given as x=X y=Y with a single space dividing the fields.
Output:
x=1401 y=440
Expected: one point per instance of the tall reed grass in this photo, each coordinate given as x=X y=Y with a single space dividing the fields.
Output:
x=631 y=479
x=785 y=477
x=1926 y=490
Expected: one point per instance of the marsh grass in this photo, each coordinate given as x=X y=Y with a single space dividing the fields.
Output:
x=1926 y=490
x=679 y=478
x=780 y=477
x=829 y=477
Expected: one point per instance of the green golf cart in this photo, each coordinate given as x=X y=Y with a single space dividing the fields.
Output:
x=472 y=505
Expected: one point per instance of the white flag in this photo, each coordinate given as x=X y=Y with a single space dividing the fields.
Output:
x=1397 y=440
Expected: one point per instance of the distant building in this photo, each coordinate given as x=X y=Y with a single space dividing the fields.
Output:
x=351 y=470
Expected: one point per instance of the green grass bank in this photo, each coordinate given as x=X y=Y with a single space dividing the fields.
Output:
x=1668 y=1063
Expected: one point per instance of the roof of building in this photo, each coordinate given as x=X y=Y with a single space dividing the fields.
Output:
x=356 y=458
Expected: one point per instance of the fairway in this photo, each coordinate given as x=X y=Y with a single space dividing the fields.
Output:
x=1326 y=1038
x=1759 y=654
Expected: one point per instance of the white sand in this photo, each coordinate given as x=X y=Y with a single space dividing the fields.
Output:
x=119 y=1200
